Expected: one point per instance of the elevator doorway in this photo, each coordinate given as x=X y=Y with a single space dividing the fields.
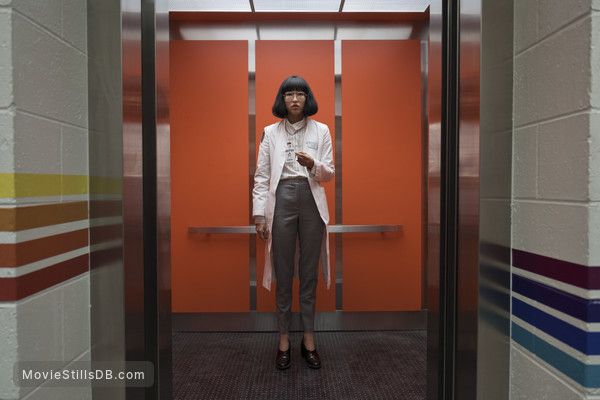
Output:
x=377 y=212
x=434 y=285
x=369 y=76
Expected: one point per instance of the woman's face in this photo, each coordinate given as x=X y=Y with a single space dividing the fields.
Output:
x=294 y=103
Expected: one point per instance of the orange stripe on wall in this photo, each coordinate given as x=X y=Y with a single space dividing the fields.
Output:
x=209 y=174
x=29 y=217
x=313 y=60
x=382 y=174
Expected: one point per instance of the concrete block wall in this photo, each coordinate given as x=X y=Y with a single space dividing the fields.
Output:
x=44 y=201
x=555 y=346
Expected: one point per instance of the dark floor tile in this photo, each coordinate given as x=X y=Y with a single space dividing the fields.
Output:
x=356 y=365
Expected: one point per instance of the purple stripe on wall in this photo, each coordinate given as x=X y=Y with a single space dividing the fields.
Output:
x=564 y=271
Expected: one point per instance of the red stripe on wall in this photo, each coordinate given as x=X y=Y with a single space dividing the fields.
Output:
x=16 y=288
x=18 y=254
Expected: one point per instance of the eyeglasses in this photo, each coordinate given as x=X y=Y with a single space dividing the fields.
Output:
x=290 y=95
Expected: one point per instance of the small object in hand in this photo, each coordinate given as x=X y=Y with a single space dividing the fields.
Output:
x=304 y=159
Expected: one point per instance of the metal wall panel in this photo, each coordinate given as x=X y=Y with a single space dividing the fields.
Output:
x=163 y=195
x=432 y=263
x=156 y=192
x=475 y=364
x=468 y=199
x=105 y=171
x=132 y=186
x=493 y=347
x=127 y=321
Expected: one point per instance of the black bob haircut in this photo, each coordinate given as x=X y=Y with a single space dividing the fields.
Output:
x=294 y=83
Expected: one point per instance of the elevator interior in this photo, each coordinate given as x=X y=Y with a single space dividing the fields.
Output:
x=441 y=78
x=369 y=73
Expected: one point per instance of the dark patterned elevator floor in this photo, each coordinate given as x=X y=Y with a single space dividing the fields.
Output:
x=355 y=365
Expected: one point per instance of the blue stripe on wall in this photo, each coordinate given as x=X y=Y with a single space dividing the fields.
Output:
x=586 y=342
x=575 y=306
x=586 y=375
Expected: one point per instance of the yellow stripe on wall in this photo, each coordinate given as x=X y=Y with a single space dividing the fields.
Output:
x=7 y=185
x=74 y=184
x=105 y=185
x=38 y=185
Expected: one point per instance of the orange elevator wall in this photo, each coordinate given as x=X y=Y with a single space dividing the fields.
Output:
x=313 y=60
x=382 y=174
x=209 y=174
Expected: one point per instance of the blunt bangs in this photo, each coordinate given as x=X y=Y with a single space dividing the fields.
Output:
x=294 y=83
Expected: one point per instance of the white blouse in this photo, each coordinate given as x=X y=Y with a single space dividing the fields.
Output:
x=294 y=143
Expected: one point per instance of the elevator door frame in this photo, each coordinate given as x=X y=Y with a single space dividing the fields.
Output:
x=156 y=303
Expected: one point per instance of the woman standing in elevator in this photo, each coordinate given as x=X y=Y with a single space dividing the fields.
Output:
x=290 y=209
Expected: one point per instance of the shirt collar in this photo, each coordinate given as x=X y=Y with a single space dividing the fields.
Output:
x=295 y=127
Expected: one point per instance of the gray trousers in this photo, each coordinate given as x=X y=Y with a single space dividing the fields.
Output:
x=296 y=215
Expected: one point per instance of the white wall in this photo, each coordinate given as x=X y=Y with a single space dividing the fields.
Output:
x=43 y=130
x=556 y=169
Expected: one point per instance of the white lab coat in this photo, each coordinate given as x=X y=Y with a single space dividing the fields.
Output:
x=271 y=158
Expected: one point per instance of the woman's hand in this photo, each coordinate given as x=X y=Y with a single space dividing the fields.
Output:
x=262 y=231
x=305 y=160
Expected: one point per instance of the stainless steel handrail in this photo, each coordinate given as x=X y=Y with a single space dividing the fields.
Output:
x=244 y=229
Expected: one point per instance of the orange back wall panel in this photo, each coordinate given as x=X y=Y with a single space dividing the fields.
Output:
x=382 y=173
x=275 y=61
x=209 y=174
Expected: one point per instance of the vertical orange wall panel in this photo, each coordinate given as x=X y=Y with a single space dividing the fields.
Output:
x=209 y=174
x=382 y=174
x=313 y=60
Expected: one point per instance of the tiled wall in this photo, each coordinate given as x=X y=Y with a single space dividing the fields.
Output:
x=44 y=226
x=555 y=351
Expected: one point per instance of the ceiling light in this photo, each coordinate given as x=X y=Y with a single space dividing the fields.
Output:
x=209 y=5
x=386 y=5
x=297 y=5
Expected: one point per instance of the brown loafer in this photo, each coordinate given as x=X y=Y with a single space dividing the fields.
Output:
x=311 y=356
x=283 y=359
